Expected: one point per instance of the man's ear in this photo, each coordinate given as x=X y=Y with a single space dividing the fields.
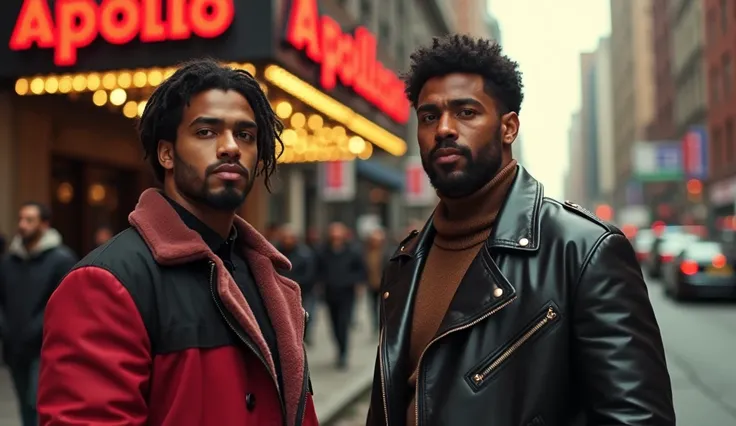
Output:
x=166 y=154
x=509 y=127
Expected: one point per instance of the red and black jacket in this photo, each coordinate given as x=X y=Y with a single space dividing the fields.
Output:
x=151 y=329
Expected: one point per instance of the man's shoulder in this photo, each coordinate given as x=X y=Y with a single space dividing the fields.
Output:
x=571 y=221
x=124 y=255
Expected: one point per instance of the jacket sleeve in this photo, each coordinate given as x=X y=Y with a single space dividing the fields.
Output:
x=617 y=347
x=95 y=359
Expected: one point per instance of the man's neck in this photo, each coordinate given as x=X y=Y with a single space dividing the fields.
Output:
x=219 y=221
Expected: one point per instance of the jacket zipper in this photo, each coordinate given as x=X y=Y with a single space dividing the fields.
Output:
x=383 y=379
x=301 y=411
x=462 y=327
x=245 y=341
x=547 y=319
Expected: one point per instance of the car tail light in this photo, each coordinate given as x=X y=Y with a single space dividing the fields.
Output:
x=689 y=267
x=666 y=258
x=719 y=261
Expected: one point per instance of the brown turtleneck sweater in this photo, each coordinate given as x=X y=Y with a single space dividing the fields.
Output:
x=463 y=225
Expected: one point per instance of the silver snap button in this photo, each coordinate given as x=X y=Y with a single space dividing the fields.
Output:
x=524 y=242
x=498 y=292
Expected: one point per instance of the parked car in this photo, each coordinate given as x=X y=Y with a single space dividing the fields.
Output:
x=703 y=269
x=665 y=248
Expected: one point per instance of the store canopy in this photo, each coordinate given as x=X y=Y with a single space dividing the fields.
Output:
x=381 y=174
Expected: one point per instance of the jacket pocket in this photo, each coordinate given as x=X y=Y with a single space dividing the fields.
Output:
x=480 y=374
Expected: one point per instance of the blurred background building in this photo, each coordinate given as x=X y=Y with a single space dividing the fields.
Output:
x=719 y=53
x=658 y=99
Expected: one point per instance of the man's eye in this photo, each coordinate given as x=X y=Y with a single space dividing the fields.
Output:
x=246 y=137
x=205 y=132
x=467 y=113
x=428 y=117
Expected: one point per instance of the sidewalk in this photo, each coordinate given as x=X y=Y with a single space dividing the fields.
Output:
x=333 y=389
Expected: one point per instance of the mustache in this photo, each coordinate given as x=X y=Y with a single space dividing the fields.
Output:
x=450 y=144
x=211 y=168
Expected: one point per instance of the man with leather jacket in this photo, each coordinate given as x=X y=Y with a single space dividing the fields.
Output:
x=508 y=308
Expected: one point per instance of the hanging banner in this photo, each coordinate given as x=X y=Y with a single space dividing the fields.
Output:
x=417 y=189
x=695 y=153
x=337 y=180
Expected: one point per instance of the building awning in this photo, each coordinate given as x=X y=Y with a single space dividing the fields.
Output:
x=381 y=174
x=349 y=135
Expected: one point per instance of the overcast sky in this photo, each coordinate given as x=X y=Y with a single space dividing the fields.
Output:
x=546 y=37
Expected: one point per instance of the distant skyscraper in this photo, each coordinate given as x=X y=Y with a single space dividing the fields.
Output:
x=575 y=177
x=494 y=29
x=518 y=150
x=470 y=17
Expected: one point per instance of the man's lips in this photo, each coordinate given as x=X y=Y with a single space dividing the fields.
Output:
x=229 y=172
x=447 y=155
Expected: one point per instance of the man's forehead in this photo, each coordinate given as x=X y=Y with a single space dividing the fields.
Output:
x=30 y=211
x=217 y=103
x=452 y=85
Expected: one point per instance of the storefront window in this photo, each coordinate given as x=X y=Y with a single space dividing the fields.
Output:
x=89 y=196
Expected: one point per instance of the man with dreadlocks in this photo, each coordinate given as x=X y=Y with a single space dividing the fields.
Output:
x=508 y=308
x=182 y=318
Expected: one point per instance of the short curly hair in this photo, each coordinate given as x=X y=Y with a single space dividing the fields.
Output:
x=163 y=112
x=465 y=54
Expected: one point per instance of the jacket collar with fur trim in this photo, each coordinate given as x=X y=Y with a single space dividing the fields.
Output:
x=173 y=243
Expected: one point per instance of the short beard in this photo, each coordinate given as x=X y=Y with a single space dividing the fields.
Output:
x=476 y=174
x=194 y=187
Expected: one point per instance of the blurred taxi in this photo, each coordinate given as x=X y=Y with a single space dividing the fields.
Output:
x=703 y=269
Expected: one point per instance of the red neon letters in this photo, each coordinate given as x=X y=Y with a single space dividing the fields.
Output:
x=351 y=58
x=77 y=23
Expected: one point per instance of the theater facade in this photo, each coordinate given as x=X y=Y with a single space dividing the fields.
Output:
x=76 y=75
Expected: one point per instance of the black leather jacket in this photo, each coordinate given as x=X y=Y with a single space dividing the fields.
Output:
x=551 y=326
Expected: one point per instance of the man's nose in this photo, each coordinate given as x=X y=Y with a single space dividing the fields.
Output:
x=446 y=128
x=227 y=147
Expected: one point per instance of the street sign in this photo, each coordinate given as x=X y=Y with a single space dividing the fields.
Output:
x=657 y=161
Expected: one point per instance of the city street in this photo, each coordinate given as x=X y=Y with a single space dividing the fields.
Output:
x=700 y=339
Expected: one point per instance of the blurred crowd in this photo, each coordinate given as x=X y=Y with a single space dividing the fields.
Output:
x=338 y=268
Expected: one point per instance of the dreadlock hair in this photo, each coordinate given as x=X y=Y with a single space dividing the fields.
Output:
x=164 y=109
x=456 y=53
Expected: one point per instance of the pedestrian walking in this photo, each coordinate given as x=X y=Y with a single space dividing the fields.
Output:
x=303 y=270
x=182 y=319
x=341 y=271
x=508 y=308
x=36 y=262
